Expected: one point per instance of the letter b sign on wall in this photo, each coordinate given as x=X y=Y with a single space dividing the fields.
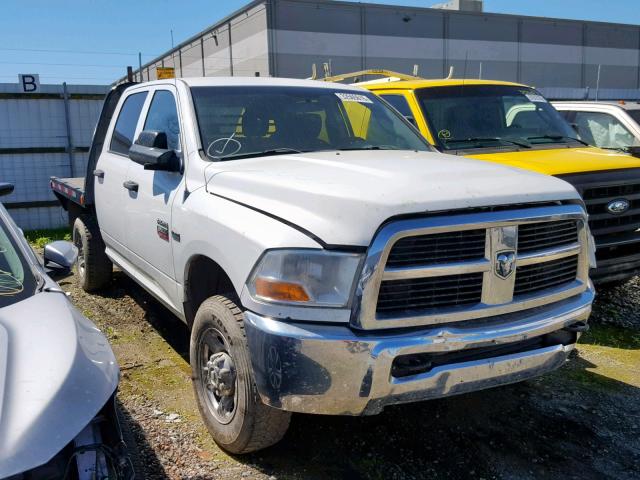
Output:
x=29 y=82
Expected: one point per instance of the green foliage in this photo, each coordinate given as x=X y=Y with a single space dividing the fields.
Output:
x=39 y=238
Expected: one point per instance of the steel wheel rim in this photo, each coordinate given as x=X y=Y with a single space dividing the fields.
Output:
x=213 y=351
x=80 y=262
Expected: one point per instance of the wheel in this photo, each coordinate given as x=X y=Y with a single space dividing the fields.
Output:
x=94 y=268
x=223 y=381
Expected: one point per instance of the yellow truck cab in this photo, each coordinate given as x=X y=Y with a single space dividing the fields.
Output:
x=514 y=125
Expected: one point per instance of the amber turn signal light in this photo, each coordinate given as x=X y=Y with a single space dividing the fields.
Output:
x=280 y=291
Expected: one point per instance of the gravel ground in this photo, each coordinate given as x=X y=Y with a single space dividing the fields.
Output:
x=581 y=422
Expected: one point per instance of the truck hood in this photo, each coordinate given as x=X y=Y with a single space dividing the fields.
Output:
x=343 y=197
x=56 y=372
x=562 y=161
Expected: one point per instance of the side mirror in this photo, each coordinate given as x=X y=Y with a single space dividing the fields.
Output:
x=59 y=257
x=150 y=150
x=634 y=150
x=5 y=189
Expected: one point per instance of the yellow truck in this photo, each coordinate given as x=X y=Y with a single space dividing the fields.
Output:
x=514 y=125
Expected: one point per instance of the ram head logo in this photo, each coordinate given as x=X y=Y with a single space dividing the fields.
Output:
x=505 y=263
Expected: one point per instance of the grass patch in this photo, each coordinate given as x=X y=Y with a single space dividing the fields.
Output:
x=611 y=336
x=39 y=238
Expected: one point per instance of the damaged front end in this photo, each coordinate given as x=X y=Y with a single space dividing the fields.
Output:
x=102 y=450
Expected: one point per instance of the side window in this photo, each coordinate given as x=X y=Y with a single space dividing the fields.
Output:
x=125 y=128
x=603 y=130
x=163 y=117
x=399 y=102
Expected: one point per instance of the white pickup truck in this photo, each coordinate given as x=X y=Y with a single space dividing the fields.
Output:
x=326 y=259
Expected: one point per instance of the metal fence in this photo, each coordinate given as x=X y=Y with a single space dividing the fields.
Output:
x=44 y=134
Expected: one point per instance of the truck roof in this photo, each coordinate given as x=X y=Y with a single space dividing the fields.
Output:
x=440 y=82
x=625 y=105
x=252 y=82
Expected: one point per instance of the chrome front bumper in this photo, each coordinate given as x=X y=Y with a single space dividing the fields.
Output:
x=329 y=369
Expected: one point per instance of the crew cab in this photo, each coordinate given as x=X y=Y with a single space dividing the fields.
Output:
x=514 y=125
x=326 y=259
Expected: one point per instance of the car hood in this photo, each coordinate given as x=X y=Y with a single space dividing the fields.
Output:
x=343 y=197
x=56 y=372
x=562 y=161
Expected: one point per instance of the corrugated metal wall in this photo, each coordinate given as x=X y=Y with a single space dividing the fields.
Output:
x=34 y=146
x=544 y=52
x=285 y=37
x=236 y=46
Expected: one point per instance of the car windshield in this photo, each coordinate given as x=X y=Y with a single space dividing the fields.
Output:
x=17 y=280
x=240 y=122
x=490 y=116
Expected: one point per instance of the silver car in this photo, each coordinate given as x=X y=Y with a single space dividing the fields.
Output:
x=58 y=374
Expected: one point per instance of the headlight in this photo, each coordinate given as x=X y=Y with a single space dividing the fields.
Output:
x=305 y=277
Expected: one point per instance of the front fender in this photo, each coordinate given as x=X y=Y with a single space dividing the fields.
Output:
x=230 y=234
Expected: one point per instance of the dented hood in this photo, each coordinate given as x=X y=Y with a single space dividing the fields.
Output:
x=343 y=197
x=56 y=372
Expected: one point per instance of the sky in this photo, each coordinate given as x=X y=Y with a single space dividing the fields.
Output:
x=92 y=41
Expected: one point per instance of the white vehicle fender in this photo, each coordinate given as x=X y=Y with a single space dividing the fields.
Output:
x=231 y=234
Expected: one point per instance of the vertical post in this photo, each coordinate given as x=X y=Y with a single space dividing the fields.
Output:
x=230 y=52
x=140 y=65
x=480 y=74
x=129 y=73
x=202 y=55
x=67 y=120
x=598 y=82
x=519 y=43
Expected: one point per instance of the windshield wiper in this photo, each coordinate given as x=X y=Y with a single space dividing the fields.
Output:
x=369 y=147
x=487 y=139
x=264 y=153
x=557 y=137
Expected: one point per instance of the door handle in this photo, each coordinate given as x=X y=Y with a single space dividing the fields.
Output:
x=98 y=173
x=130 y=185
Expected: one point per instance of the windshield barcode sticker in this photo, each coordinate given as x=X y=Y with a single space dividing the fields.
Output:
x=353 y=97
x=535 y=98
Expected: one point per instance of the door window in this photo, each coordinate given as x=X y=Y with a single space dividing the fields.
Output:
x=603 y=130
x=125 y=128
x=399 y=103
x=163 y=117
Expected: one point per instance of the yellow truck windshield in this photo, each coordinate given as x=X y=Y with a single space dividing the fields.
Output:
x=486 y=116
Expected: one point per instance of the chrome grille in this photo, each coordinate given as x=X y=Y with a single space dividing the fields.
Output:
x=439 y=248
x=542 y=276
x=429 y=293
x=516 y=259
x=540 y=236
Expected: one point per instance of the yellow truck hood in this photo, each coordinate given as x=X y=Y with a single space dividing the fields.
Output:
x=563 y=160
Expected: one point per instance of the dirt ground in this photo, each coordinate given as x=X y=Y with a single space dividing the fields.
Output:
x=580 y=422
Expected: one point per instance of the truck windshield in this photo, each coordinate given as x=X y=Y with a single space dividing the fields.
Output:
x=490 y=116
x=17 y=281
x=240 y=122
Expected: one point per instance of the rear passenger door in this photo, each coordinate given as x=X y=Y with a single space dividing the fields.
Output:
x=111 y=168
x=147 y=213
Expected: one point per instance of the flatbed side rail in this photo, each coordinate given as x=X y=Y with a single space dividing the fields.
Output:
x=62 y=188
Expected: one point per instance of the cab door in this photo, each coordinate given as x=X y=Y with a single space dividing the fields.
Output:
x=149 y=199
x=112 y=166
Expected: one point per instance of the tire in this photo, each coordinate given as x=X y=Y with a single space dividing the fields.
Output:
x=93 y=267
x=236 y=418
